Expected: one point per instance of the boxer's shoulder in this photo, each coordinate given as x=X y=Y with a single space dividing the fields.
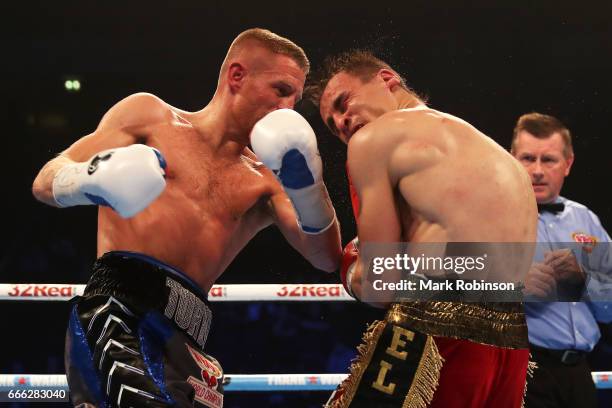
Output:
x=399 y=142
x=138 y=110
x=418 y=121
x=390 y=131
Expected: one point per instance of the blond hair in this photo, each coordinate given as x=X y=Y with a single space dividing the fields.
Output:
x=271 y=42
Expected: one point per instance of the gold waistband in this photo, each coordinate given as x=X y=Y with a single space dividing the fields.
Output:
x=496 y=324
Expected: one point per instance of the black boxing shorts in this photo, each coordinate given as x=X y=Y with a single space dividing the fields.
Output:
x=135 y=338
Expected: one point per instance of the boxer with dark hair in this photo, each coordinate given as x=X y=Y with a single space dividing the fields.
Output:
x=179 y=195
x=423 y=176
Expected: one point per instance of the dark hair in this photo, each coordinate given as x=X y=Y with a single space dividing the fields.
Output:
x=360 y=63
x=542 y=126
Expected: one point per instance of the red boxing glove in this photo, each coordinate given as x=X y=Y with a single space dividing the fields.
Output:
x=349 y=261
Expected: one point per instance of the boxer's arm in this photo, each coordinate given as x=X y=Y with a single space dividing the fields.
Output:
x=378 y=220
x=323 y=250
x=124 y=124
x=379 y=157
x=285 y=142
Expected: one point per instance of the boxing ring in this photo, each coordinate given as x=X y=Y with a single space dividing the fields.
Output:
x=218 y=293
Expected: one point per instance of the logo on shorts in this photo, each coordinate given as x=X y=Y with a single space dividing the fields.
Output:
x=190 y=314
x=211 y=372
x=93 y=165
x=206 y=395
x=588 y=241
x=206 y=389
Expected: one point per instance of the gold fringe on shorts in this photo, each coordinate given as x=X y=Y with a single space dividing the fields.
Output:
x=495 y=324
x=423 y=386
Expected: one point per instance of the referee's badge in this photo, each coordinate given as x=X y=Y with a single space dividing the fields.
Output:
x=588 y=241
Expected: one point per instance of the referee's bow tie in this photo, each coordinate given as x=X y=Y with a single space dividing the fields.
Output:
x=551 y=207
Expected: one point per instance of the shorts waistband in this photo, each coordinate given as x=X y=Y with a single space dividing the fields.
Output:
x=172 y=271
x=148 y=284
x=495 y=324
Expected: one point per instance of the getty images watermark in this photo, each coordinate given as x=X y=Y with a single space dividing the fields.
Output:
x=484 y=271
x=465 y=272
x=423 y=266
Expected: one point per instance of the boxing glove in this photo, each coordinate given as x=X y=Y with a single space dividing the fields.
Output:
x=284 y=141
x=127 y=179
x=349 y=262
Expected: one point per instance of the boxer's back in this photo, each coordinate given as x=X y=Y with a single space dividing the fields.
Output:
x=208 y=211
x=470 y=189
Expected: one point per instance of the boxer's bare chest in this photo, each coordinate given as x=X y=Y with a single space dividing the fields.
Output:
x=212 y=205
x=206 y=184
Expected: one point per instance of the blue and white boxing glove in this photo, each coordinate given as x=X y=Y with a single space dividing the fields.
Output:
x=127 y=179
x=284 y=141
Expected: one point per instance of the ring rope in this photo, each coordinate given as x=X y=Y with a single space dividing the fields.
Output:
x=218 y=293
x=234 y=382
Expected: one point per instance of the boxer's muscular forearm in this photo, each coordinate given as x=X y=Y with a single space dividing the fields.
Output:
x=378 y=219
x=42 y=188
x=322 y=250
x=80 y=151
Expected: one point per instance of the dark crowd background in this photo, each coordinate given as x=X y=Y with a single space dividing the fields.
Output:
x=486 y=62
